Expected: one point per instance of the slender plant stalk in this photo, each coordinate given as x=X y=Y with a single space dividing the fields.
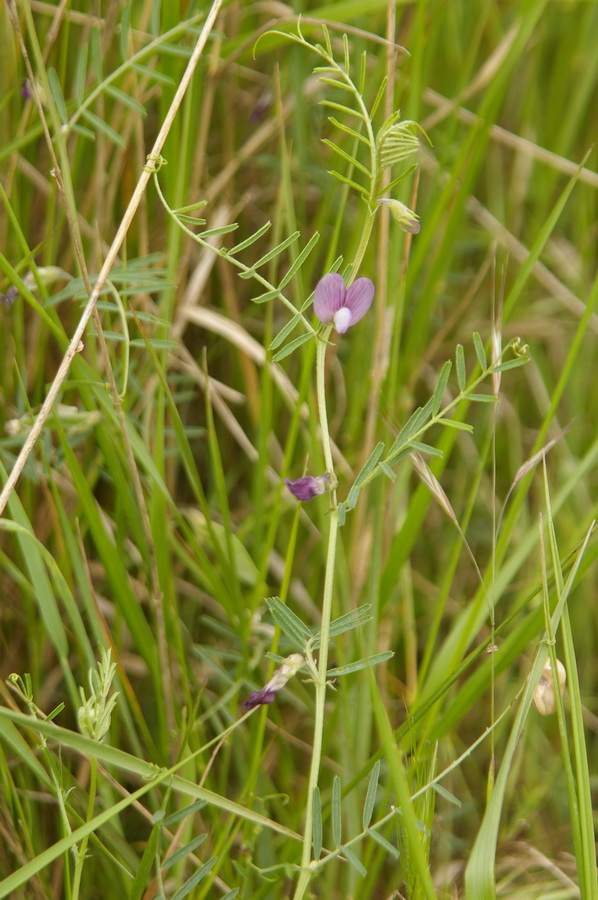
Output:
x=314 y=772
x=362 y=246
x=93 y=780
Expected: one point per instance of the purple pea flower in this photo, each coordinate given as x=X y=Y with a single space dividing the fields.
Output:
x=309 y=486
x=333 y=301
x=289 y=667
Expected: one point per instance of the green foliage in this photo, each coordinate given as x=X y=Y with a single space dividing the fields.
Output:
x=391 y=143
x=151 y=528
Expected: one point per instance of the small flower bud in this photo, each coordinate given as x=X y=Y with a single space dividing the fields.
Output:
x=544 y=695
x=406 y=218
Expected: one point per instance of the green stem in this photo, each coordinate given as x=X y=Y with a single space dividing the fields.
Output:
x=93 y=780
x=362 y=246
x=314 y=773
x=321 y=394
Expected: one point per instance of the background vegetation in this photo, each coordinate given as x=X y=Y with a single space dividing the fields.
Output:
x=151 y=517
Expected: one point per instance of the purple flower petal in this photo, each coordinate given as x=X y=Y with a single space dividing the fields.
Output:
x=334 y=302
x=290 y=666
x=10 y=296
x=308 y=487
x=260 y=698
x=329 y=296
x=359 y=298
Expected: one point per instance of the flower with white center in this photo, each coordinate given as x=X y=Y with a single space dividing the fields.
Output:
x=335 y=302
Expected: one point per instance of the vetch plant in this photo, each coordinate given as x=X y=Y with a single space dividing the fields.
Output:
x=340 y=302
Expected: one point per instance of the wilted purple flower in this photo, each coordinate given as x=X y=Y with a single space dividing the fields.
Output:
x=309 y=486
x=260 y=698
x=406 y=218
x=10 y=296
x=261 y=107
x=26 y=92
x=333 y=301
x=289 y=667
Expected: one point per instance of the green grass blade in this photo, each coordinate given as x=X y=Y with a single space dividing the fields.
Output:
x=370 y=799
x=418 y=861
x=336 y=816
x=317 y=841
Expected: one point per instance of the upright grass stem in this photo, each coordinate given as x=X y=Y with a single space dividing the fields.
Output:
x=82 y=852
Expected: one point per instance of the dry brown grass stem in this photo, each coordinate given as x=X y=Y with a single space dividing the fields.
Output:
x=446 y=107
x=125 y=224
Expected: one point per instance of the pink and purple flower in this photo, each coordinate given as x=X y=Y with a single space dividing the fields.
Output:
x=309 y=486
x=335 y=302
x=290 y=666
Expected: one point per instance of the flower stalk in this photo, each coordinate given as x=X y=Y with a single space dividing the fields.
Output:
x=320 y=684
x=321 y=395
x=358 y=298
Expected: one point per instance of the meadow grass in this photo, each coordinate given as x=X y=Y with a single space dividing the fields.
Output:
x=167 y=209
